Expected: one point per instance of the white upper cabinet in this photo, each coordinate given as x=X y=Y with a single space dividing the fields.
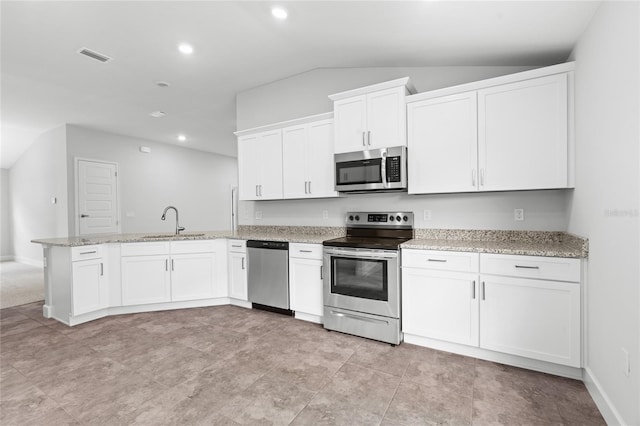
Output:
x=307 y=153
x=522 y=134
x=260 y=165
x=371 y=117
x=443 y=144
x=508 y=133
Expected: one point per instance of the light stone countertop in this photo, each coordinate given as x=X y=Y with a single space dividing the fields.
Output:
x=526 y=243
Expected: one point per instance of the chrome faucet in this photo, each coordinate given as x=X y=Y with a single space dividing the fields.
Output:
x=164 y=216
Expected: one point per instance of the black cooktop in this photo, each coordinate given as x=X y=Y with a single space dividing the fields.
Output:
x=366 y=242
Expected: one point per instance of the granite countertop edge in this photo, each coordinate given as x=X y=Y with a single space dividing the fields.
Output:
x=569 y=247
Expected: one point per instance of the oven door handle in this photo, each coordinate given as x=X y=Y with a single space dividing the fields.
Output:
x=361 y=255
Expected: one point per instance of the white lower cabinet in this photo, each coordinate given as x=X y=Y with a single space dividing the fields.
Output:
x=237 y=260
x=170 y=272
x=502 y=305
x=89 y=286
x=440 y=305
x=305 y=280
x=145 y=279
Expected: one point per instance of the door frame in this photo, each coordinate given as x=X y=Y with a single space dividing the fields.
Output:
x=76 y=181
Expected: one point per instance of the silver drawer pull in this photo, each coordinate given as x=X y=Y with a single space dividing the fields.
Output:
x=436 y=260
x=527 y=267
x=473 y=289
x=305 y=251
x=233 y=245
x=89 y=252
x=356 y=317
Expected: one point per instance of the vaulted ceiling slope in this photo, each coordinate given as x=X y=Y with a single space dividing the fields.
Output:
x=238 y=45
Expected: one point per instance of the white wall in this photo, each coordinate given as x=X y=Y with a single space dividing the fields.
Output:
x=37 y=177
x=196 y=182
x=6 y=246
x=306 y=94
x=606 y=201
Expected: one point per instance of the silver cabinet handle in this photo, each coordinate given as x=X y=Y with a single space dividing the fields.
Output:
x=383 y=169
x=321 y=272
x=88 y=252
x=234 y=245
x=436 y=260
x=101 y=269
x=481 y=177
x=305 y=251
x=256 y=190
x=84 y=215
x=473 y=289
x=172 y=268
x=473 y=177
x=527 y=267
x=483 y=291
x=166 y=264
x=309 y=187
x=369 y=137
x=260 y=190
x=363 y=141
x=243 y=263
x=305 y=187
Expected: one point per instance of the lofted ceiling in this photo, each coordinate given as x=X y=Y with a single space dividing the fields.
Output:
x=238 y=45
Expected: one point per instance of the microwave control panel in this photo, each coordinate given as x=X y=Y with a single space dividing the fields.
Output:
x=393 y=169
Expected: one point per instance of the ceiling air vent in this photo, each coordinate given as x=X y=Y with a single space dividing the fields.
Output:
x=94 y=55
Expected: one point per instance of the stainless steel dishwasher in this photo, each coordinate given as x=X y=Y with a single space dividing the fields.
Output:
x=268 y=275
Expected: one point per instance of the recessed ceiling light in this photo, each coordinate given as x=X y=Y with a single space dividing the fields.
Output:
x=182 y=138
x=157 y=114
x=279 y=12
x=186 y=48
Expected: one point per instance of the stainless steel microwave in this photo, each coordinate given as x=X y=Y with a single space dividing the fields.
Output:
x=383 y=169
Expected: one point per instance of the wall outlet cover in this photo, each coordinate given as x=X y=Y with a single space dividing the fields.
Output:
x=325 y=214
x=518 y=215
x=258 y=214
x=427 y=215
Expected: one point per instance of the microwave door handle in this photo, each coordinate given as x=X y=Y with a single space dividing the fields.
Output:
x=383 y=172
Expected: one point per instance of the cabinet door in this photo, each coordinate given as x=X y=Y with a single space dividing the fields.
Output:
x=305 y=285
x=89 y=290
x=238 y=276
x=145 y=279
x=193 y=276
x=443 y=143
x=350 y=124
x=523 y=135
x=270 y=160
x=531 y=318
x=386 y=118
x=249 y=167
x=440 y=305
x=320 y=160
x=294 y=161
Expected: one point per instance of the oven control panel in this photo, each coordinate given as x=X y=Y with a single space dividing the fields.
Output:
x=380 y=219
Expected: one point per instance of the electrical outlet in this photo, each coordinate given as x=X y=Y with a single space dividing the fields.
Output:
x=427 y=215
x=626 y=363
x=518 y=215
x=258 y=214
x=325 y=214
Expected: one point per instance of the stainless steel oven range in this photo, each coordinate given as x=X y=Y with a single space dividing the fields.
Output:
x=362 y=275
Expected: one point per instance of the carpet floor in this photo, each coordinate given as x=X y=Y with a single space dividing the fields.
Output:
x=20 y=284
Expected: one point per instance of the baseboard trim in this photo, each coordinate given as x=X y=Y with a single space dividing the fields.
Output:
x=607 y=409
x=7 y=258
x=30 y=262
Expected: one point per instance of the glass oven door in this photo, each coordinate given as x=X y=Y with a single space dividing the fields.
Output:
x=363 y=280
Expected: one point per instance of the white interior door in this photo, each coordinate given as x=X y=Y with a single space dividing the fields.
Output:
x=97 y=197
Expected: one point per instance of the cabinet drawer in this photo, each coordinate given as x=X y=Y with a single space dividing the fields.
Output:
x=198 y=246
x=548 y=268
x=305 y=251
x=237 y=246
x=145 y=249
x=86 y=252
x=440 y=260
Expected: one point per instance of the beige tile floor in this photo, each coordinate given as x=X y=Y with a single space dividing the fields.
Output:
x=227 y=365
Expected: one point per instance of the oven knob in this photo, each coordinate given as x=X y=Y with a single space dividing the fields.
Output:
x=391 y=218
x=405 y=218
x=357 y=217
x=351 y=217
x=398 y=218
